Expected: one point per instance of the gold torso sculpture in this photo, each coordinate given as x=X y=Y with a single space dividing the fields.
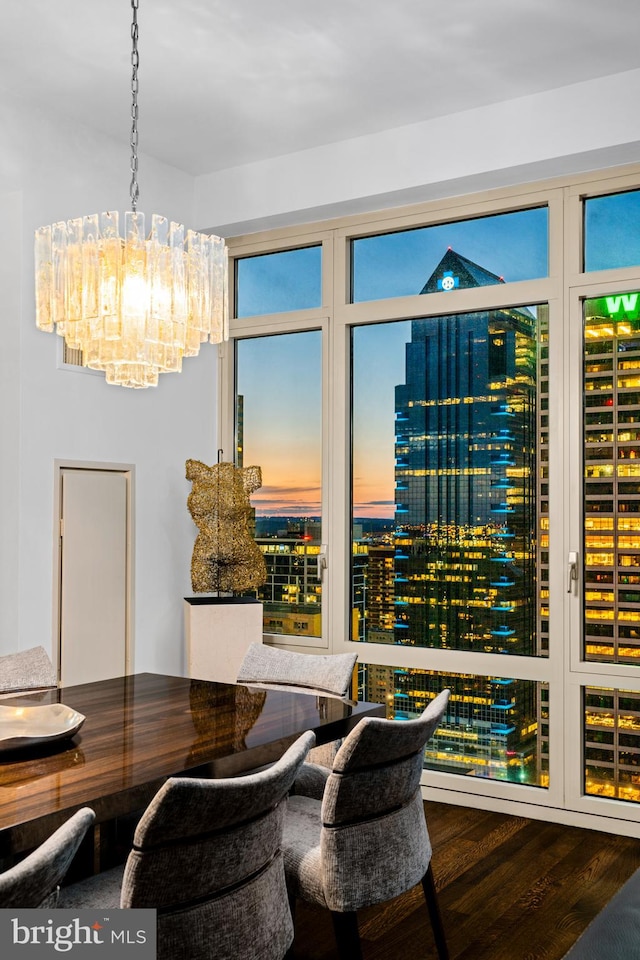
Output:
x=226 y=559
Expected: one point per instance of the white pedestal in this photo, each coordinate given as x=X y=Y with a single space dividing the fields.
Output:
x=218 y=631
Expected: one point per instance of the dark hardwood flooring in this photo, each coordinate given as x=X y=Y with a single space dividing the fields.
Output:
x=509 y=889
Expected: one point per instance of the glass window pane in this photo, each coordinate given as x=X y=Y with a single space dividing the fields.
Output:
x=510 y=246
x=612 y=743
x=494 y=727
x=612 y=231
x=449 y=482
x=279 y=282
x=278 y=417
x=611 y=454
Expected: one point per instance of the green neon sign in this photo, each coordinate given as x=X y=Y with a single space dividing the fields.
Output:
x=624 y=304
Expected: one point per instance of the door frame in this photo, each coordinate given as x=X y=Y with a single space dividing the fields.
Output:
x=128 y=470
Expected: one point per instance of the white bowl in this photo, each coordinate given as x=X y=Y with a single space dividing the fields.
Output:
x=24 y=726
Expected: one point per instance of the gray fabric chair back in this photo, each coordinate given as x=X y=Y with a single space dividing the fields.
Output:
x=26 y=670
x=328 y=675
x=34 y=882
x=207 y=854
x=374 y=842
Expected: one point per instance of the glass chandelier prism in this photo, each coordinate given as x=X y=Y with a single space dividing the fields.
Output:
x=136 y=304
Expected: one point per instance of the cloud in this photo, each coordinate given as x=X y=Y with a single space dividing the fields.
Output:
x=290 y=510
x=285 y=491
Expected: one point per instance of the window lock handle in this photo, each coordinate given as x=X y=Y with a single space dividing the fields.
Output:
x=573 y=572
x=322 y=563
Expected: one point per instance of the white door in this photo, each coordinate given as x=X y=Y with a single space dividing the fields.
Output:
x=94 y=575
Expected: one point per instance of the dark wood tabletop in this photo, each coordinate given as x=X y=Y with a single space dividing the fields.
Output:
x=143 y=728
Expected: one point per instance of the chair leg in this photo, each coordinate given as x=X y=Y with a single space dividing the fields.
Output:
x=430 y=895
x=292 y=908
x=345 y=926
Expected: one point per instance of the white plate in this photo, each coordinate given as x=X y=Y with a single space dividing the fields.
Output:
x=24 y=726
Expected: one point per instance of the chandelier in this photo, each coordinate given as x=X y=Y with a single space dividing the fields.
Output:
x=134 y=305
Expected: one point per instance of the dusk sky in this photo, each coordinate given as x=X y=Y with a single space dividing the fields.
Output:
x=280 y=376
x=280 y=380
x=282 y=418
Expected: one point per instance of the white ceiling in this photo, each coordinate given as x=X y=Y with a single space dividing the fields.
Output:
x=227 y=83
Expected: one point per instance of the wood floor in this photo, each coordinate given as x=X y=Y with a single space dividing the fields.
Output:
x=509 y=889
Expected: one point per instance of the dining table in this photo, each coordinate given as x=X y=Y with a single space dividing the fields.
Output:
x=140 y=730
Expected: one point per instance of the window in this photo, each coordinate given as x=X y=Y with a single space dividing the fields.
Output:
x=612 y=231
x=612 y=616
x=471 y=451
x=278 y=427
x=449 y=256
x=449 y=524
x=276 y=282
x=491 y=726
x=612 y=717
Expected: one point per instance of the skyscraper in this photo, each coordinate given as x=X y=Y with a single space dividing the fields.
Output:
x=466 y=541
x=465 y=476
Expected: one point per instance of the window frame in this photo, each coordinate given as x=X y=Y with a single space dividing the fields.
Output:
x=616 y=815
x=294 y=321
x=563 y=290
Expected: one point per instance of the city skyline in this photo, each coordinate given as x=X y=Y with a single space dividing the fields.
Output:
x=455 y=568
x=279 y=377
x=457 y=556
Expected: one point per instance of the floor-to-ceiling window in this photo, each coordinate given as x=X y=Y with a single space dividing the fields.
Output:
x=443 y=402
x=611 y=499
x=279 y=428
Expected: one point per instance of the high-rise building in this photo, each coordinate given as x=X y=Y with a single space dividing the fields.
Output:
x=465 y=477
x=380 y=597
x=467 y=552
x=292 y=592
x=492 y=726
x=611 y=376
x=612 y=478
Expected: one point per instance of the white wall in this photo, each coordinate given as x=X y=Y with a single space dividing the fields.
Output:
x=10 y=316
x=51 y=169
x=584 y=126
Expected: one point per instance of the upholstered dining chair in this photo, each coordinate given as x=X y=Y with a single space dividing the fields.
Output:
x=326 y=675
x=26 y=670
x=34 y=881
x=356 y=836
x=207 y=856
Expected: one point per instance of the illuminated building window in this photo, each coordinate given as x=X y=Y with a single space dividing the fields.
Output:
x=491 y=726
x=611 y=732
x=617 y=317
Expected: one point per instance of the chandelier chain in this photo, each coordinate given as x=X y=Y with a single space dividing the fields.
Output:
x=135 y=60
x=132 y=304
